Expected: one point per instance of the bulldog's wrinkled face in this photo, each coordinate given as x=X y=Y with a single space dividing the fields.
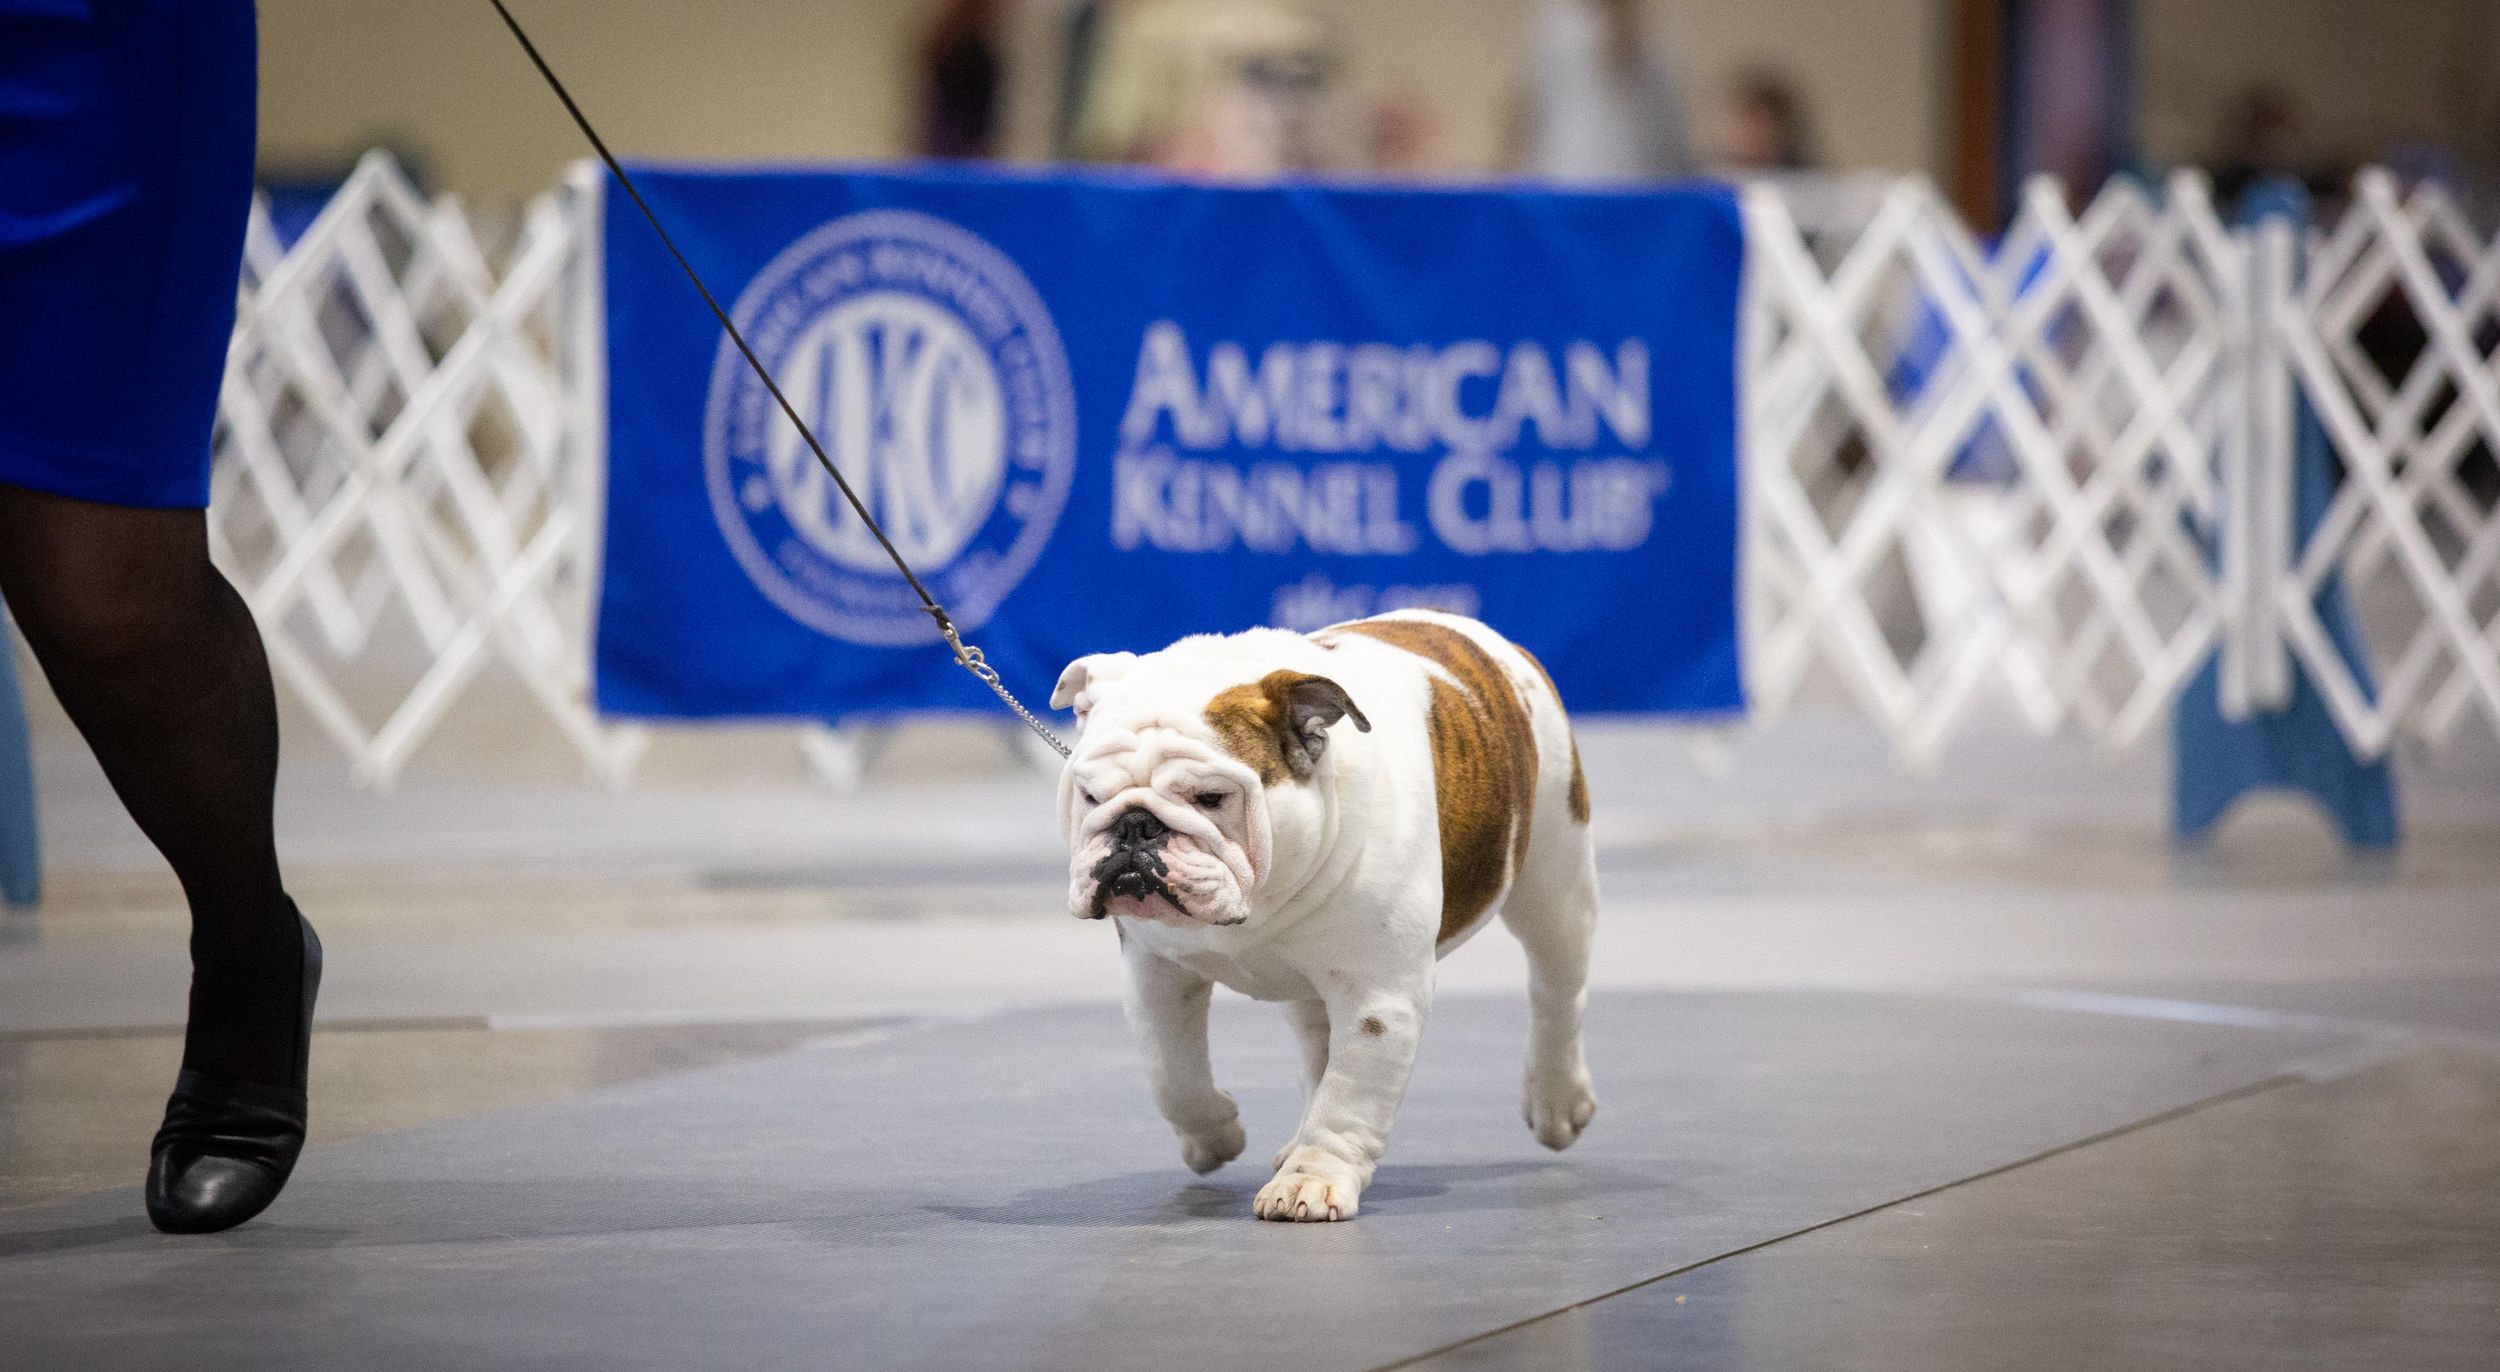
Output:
x=1169 y=804
x=1162 y=826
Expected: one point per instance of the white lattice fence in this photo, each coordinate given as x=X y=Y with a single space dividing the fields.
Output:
x=2394 y=339
x=2056 y=471
x=405 y=479
x=2061 y=469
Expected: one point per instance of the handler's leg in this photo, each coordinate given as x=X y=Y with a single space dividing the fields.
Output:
x=158 y=662
x=1373 y=1035
x=1168 y=1004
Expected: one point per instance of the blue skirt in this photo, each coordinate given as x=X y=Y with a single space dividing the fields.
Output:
x=126 y=143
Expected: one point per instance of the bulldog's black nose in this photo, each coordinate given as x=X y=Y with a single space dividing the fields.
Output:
x=1137 y=828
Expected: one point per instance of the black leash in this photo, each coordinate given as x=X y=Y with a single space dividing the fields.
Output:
x=966 y=655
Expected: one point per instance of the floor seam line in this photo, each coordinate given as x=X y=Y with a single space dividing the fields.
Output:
x=2272 y=1082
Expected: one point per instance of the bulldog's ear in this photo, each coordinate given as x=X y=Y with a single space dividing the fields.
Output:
x=1076 y=687
x=1307 y=706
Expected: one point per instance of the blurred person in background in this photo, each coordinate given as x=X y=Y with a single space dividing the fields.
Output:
x=126 y=147
x=962 y=69
x=1080 y=46
x=1602 y=102
x=2261 y=140
x=1231 y=89
x=1401 y=142
x=2482 y=145
x=1767 y=128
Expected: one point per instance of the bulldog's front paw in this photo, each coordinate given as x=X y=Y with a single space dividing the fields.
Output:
x=1211 y=1147
x=1312 y=1186
x=1558 y=1109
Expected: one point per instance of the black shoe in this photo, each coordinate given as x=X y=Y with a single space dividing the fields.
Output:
x=227 y=1147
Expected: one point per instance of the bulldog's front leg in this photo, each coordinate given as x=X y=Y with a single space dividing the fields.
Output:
x=1372 y=1037
x=1168 y=1004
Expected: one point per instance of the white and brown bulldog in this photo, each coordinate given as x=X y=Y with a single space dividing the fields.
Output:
x=1315 y=820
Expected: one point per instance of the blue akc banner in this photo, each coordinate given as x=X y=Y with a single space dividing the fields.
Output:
x=1101 y=411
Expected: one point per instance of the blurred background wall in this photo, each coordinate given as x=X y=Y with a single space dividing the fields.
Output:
x=2331 y=83
x=836 y=78
x=2360 y=78
x=1868 y=68
x=444 y=81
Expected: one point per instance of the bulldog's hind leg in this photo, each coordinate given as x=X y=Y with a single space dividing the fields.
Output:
x=1553 y=912
x=1309 y=1019
x=1168 y=1004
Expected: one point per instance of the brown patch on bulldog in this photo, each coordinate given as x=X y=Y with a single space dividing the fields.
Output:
x=1579 y=778
x=1278 y=724
x=1246 y=721
x=1371 y=1025
x=1484 y=764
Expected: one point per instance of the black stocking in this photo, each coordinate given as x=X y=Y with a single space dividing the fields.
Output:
x=157 y=661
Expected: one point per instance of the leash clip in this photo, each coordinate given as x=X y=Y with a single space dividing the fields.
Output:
x=972 y=660
x=965 y=656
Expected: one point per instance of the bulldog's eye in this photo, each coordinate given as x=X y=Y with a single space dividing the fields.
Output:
x=1088 y=798
x=1210 y=800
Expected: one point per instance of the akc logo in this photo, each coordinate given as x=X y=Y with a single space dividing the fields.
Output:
x=926 y=364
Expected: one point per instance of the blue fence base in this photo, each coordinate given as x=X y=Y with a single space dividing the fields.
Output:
x=21 y=852
x=2296 y=749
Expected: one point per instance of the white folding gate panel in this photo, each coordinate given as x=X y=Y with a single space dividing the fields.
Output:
x=405 y=489
x=2028 y=510
x=2058 y=471
x=2412 y=525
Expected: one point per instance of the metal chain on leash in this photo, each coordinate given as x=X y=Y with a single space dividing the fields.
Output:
x=966 y=656
x=979 y=666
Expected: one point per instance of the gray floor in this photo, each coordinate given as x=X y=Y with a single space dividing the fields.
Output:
x=2352 y=1223
x=1032 y=1213
x=1965 y=1071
